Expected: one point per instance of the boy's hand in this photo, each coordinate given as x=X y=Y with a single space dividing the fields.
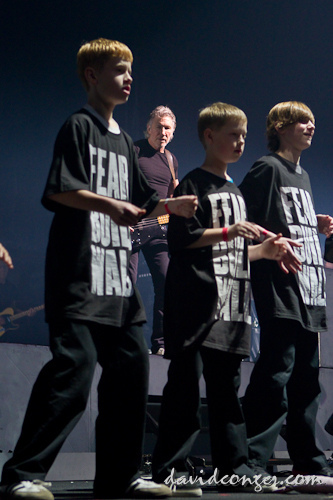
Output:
x=244 y=229
x=285 y=256
x=274 y=248
x=290 y=262
x=124 y=213
x=325 y=224
x=184 y=206
x=4 y=255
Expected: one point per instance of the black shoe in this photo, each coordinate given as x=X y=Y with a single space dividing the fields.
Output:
x=264 y=481
x=250 y=484
x=258 y=470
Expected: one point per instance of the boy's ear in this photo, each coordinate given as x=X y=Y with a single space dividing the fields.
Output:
x=208 y=135
x=278 y=127
x=90 y=74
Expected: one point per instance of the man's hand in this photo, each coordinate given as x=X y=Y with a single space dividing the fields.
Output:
x=184 y=206
x=124 y=213
x=4 y=255
x=325 y=224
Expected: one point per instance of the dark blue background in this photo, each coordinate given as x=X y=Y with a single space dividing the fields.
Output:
x=187 y=54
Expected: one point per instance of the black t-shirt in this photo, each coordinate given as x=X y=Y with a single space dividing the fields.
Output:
x=210 y=285
x=87 y=257
x=278 y=196
x=328 y=255
x=155 y=167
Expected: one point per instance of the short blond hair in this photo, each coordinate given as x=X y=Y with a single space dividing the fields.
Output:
x=282 y=115
x=96 y=53
x=216 y=115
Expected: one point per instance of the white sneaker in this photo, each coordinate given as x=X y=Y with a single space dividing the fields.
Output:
x=143 y=488
x=186 y=490
x=29 y=490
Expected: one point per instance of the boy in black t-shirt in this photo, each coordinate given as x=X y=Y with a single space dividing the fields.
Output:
x=96 y=191
x=207 y=307
x=291 y=307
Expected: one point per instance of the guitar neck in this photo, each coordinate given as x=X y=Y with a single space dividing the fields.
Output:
x=161 y=219
x=25 y=313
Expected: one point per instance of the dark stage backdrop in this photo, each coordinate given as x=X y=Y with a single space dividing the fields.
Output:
x=187 y=54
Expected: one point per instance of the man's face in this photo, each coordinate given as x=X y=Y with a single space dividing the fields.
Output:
x=160 y=132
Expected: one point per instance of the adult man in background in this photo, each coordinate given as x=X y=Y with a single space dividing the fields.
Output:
x=8 y=291
x=161 y=170
x=5 y=257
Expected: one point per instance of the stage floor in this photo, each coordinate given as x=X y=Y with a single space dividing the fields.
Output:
x=64 y=490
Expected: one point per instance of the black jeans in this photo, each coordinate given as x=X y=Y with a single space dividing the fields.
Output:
x=284 y=385
x=60 y=394
x=156 y=254
x=179 y=422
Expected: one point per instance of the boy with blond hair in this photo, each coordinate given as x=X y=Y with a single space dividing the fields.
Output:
x=291 y=307
x=96 y=191
x=207 y=306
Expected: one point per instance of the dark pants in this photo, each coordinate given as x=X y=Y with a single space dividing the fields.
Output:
x=59 y=398
x=284 y=385
x=156 y=254
x=179 y=422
